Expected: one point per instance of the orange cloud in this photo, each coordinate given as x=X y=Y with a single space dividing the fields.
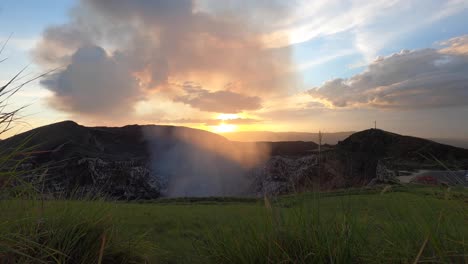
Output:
x=139 y=47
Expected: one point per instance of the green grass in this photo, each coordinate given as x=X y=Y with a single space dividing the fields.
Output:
x=64 y=232
x=361 y=227
x=358 y=228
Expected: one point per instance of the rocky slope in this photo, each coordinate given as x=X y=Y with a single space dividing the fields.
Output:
x=361 y=153
x=112 y=161
x=367 y=157
x=141 y=162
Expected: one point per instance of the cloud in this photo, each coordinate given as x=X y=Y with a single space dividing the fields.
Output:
x=93 y=82
x=153 y=44
x=210 y=122
x=425 y=78
x=456 y=46
x=239 y=53
x=223 y=101
x=389 y=21
x=234 y=121
x=372 y=24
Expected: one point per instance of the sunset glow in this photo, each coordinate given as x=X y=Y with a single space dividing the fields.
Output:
x=278 y=66
x=224 y=128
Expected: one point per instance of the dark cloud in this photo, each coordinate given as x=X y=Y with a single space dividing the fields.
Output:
x=426 y=78
x=219 y=101
x=59 y=43
x=93 y=82
x=162 y=41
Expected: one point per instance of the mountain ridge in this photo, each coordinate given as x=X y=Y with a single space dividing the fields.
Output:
x=331 y=138
x=145 y=162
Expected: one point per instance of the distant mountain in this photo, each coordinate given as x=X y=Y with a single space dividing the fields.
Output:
x=456 y=142
x=331 y=138
x=251 y=136
x=283 y=148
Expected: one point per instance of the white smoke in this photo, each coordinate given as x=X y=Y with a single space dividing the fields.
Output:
x=190 y=162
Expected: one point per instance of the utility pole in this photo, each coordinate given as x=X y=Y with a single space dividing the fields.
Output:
x=320 y=140
x=319 y=153
x=375 y=124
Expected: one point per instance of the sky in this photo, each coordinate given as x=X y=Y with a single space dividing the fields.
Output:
x=238 y=65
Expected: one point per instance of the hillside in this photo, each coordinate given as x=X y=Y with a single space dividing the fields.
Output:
x=375 y=153
x=380 y=143
x=68 y=139
x=366 y=157
x=456 y=142
x=143 y=162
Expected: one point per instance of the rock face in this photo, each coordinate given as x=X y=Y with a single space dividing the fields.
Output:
x=282 y=175
x=130 y=179
x=368 y=157
x=72 y=160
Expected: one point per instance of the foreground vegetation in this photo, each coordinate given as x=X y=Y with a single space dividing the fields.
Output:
x=384 y=225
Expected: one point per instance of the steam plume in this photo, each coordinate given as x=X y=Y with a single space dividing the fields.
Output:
x=192 y=162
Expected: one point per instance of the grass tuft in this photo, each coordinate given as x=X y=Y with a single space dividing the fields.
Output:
x=66 y=233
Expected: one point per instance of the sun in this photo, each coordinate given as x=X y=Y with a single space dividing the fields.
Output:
x=224 y=128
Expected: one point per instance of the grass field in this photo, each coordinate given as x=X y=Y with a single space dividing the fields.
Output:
x=383 y=225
